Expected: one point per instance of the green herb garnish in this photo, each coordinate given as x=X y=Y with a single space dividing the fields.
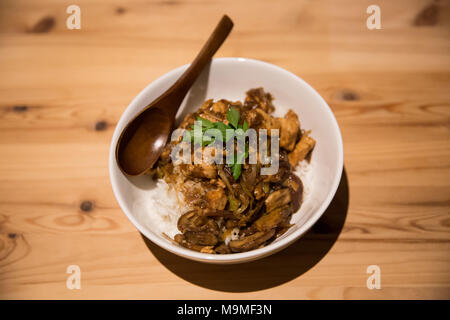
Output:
x=233 y=116
x=234 y=129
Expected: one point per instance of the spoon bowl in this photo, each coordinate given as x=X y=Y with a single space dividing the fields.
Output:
x=140 y=144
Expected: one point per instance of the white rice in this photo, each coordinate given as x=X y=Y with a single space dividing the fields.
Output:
x=304 y=171
x=161 y=209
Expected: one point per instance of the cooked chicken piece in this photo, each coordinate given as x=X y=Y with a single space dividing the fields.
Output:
x=206 y=105
x=290 y=126
x=268 y=122
x=220 y=106
x=208 y=171
x=216 y=199
x=258 y=98
x=291 y=115
x=252 y=117
x=194 y=191
x=273 y=219
x=251 y=242
x=208 y=249
x=211 y=117
x=303 y=147
x=219 y=183
x=277 y=199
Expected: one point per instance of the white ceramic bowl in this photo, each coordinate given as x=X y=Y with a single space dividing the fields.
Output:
x=230 y=78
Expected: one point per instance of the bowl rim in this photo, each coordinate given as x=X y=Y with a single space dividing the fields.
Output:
x=233 y=257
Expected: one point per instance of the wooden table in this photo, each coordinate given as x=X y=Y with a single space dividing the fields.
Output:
x=62 y=92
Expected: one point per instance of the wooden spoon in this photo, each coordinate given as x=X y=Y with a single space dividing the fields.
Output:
x=142 y=141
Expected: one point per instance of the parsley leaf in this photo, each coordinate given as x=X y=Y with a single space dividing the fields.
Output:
x=233 y=116
x=223 y=129
x=205 y=123
x=245 y=126
x=236 y=168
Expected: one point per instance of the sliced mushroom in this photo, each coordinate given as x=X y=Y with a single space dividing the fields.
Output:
x=222 y=249
x=193 y=221
x=277 y=199
x=261 y=189
x=218 y=214
x=296 y=188
x=190 y=221
x=179 y=238
x=251 y=242
x=201 y=238
x=249 y=177
x=273 y=219
x=226 y=176
x=245 y=232
x=284 y=169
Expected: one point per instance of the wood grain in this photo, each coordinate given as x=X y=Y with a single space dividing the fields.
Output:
x=62 y=92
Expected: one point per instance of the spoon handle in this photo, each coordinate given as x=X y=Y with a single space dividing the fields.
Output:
x=187 y=79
